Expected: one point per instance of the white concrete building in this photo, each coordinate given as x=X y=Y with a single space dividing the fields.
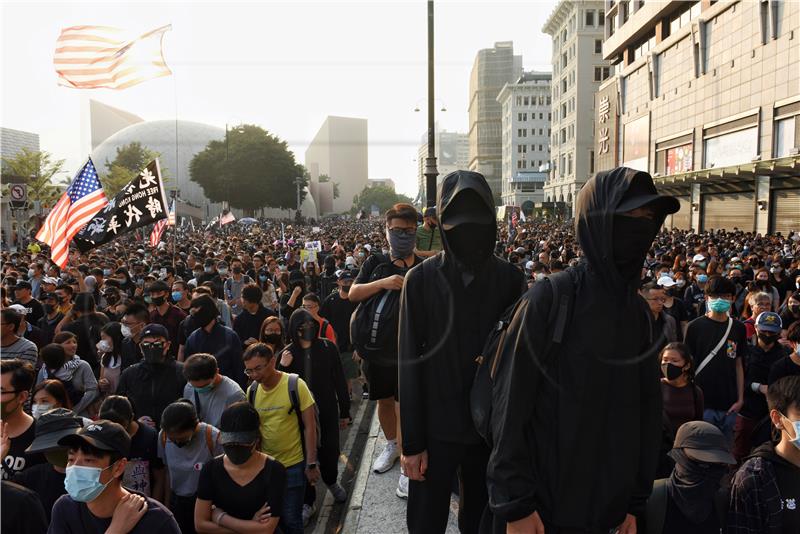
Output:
x=576 y=27
x=526 y=137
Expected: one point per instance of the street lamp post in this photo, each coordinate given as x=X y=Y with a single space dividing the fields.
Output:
x=430 y=162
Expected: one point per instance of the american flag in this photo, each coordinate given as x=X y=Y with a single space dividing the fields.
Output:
x=76 y=207
x=514 y=218
x=160 y=226
x=93 y=57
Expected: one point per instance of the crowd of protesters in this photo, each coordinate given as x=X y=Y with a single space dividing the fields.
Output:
x=200 y=386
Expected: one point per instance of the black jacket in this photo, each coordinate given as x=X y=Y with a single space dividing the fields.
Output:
x=320 y=367
x=581 y=448
x=151 y=388
x=441 y=333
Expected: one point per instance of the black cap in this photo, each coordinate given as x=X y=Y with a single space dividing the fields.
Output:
x=51 y=427
x=642 y=192
x=430 y=212
x=296 y=276
x=155 y=330
x=345 y=274
x=102 y=434
x=157 y=286
x=22 y=284
x=703 y=442
x=46 y=296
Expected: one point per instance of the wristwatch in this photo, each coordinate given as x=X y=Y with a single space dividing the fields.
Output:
x=312 y=465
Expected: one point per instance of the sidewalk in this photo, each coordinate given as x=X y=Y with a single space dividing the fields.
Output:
x=374 y=507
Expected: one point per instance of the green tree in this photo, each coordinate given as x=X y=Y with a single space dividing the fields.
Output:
x=378 y=195
x=128 y=163
x=323 y=178
x=255 y=170
x=39 y=171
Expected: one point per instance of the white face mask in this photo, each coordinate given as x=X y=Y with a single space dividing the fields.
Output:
x=38 y=409
x=126 y=331
x=104 y=346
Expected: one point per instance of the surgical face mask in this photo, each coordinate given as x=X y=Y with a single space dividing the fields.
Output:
x=31 y=272
x=702 y=278
x=796 y=425
x=83 y=483
x=205 y=389
x=106 y=272
x=671 y=371
x=401 y=244
x=237 y=270
x=38 y=409
x=148 y=299
x=104 y=346
x=125 y=330
x=177 y=296
x=223 y=271
x=719 y=305
x=238 y=454
x=262 y=277
x=680 y=282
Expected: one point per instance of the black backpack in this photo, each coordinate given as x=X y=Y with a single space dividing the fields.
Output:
x=374 y=322
x=480 y=396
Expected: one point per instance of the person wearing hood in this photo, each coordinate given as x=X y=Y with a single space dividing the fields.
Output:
x=316 y=360
x=293 y=298
x=445 y=316
x=577 y=437
x=156 y=381
x=765 y=496
x=690 y=500
x=213 y=338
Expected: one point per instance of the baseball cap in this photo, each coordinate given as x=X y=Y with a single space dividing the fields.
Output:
x=698 y=258
x=155 y=330
x=529 y=265
x=666 y=281
x=102 y=434
x=51 y=427
x=47 y=296
x=430 y=212
x=157 y=286
x=769 y=322
x=19 y=308
x=703 y=442
x=345 y=274
x=22 y=284
x=642 y=192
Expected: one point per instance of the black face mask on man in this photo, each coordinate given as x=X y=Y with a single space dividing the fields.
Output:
x=633 y=237
x=471 y=243
x=153 y=352
x=401 y=244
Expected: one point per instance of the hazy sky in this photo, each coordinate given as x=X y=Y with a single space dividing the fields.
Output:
x=282 y=65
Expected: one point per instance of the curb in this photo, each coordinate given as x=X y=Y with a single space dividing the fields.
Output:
x=353 y=512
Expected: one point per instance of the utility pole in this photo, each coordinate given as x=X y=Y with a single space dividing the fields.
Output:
x=298 y=182
x=430 y=162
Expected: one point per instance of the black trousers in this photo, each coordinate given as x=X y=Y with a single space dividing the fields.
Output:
x=327 y=452
x=429 y=501
x=183 y=510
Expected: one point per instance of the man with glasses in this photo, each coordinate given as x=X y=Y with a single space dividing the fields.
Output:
x=156 y=381
x=665 y=327
x=17 y=428
x=311 y=305
x=133 y=321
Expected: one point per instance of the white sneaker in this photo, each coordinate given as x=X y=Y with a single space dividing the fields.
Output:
x=308 y=511
x=338 y=492
x=402 y=486
x=388 y=457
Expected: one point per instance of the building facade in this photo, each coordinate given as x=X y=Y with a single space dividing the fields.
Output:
x=577 y=30
x=492 y=69
x=706 y=97
x=13 y=141
x=338 y=150
x=452 y=154
x=526 y=137
x=383 y=182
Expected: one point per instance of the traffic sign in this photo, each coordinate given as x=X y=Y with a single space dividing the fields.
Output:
x=18 y=192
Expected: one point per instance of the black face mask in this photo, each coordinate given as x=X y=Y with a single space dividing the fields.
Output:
x=237 y=270
x=154 y=353
x=238 y=454
x=157 y=301
x=768 y=339
x=49 y=308
x=736 y=279
x=671 y=371
x=308 y=332
x=471 y=244
x=203 y=316
x=273 y=339
x=795 y=309
x=632 y=239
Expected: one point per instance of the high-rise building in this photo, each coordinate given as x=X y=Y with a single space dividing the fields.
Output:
x=339 y=151
x=526 y=138
x=576 y=27
x=492 y=69
x=706 y=97
x=452 y=154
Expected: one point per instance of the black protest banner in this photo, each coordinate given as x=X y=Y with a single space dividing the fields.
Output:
x=143 y=201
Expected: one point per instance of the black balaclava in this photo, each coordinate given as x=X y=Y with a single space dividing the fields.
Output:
x=633 y=237
x=693 y=486
x=207 y=311
x=471 y=243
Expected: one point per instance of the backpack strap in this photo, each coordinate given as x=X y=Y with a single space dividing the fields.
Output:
x=294 y=399
x=324 y=328
x=656 y=511
x=209 y=439
x=563 y=291
x=251 y=393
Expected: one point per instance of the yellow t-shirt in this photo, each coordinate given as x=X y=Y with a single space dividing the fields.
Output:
x=280 y=437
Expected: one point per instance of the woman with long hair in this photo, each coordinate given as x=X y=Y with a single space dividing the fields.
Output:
x=682 y=398
x=109 y=349
x=272 y=334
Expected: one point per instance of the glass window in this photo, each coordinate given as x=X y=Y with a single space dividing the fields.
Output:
x=730 y=149
x=601 y=18
x=785 y=136
x=679 y=159
x=598 y=46
x=590 y=18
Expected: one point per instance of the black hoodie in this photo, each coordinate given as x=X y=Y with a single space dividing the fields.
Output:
x=582 y=447
x=320 y=367
x=442 y=332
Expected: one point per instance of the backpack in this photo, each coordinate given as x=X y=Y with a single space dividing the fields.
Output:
x=480 y=396
x=209 y=439
x=294 y=399
x=656 y=508
x=374 y=322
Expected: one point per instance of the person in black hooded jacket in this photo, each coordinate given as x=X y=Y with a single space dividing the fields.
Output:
x=316 y=360
x=444 y=321
x=576 y=438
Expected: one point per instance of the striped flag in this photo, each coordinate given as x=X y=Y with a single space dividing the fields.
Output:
x=76 y=207
x=160 y=226
x=226 y=218
x=94 y=57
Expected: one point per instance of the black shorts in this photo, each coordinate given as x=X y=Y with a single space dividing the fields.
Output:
x=382 y=380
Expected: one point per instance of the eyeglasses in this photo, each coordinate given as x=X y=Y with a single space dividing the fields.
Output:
x=130 y=324
x=254 y=370
x=658 y=299
x=155 y=345
x=401 y=231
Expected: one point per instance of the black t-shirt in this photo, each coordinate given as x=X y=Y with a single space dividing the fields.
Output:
x=783 y=367
x=22 y=512
x=17 y=459
x=142 y=459
x=718 y=378
x=46 y=482
x=365 y=275
x=242 y=502
x=338 y=311
x=71 y=517
x=787 y=318
x=788 y=479
x=676 y=522
x=36 y=310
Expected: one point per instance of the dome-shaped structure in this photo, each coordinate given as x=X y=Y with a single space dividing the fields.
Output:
x=160 y=136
